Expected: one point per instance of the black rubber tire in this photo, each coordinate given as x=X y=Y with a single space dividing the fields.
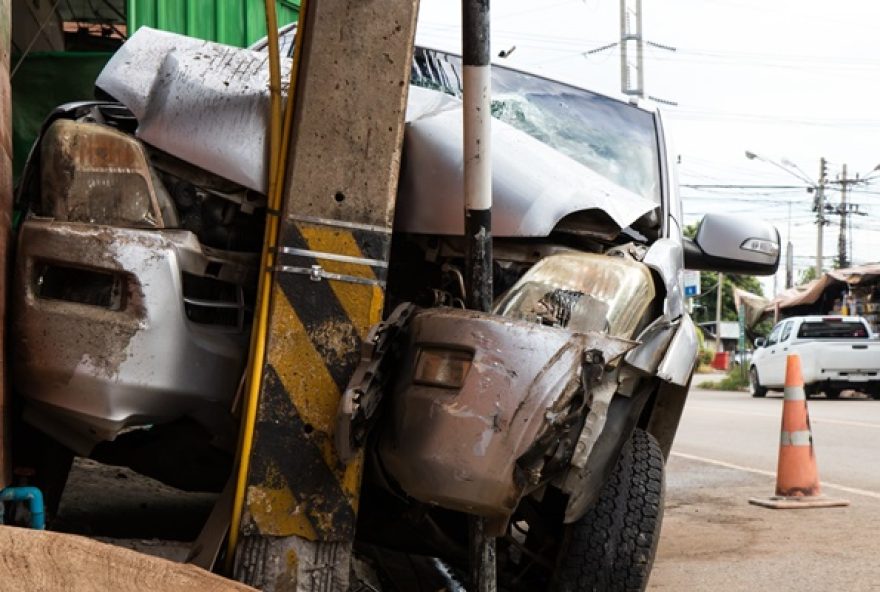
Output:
x=611 y=548
x=755 y=387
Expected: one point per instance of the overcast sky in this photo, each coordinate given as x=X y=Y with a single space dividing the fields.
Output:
x=791 y=80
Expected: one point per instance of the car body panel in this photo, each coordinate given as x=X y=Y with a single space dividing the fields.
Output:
x=678 y=364
x=123 y=352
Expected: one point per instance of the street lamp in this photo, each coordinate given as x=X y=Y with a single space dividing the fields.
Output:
x=793 y=165
x=795 y=171
x=871 y=174
x=786 y=166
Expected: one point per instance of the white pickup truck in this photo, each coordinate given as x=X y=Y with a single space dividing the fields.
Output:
x=837 y=353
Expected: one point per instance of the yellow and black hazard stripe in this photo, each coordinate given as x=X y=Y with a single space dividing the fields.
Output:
x=329 y=290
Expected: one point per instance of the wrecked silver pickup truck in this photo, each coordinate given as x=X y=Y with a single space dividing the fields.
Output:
x=549 y=416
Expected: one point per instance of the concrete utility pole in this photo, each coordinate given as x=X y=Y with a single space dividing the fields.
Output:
x=789 y=265
x=301 y=502
x=718 y=346
x=631 y=39
x=789 y=254
x=842 y=259
x=820 y=214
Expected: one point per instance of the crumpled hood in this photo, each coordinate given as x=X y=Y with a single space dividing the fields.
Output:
x=533 y=185
x=207 y=104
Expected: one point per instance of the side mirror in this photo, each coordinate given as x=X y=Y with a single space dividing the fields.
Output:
x=760 y=342
x=733 y=244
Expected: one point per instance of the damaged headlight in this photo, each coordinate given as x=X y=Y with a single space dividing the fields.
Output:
x=582 y=292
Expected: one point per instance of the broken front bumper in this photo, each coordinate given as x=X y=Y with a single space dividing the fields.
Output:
x=479 y=410
x=116 y=327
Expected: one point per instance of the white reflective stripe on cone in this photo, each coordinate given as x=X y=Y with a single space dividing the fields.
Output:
x=800 y=438
x=795 y=393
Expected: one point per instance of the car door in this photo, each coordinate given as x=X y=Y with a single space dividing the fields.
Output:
x=778 y=352
x=762 y=357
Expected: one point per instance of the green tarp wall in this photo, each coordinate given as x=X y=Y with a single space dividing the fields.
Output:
x=233 y=22
x=42 y=82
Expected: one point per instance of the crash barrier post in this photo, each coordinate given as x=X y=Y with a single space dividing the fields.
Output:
x=300 y=501
x=797 y=475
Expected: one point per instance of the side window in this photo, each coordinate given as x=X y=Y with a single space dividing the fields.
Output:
x=774 y=336
x=786 y=331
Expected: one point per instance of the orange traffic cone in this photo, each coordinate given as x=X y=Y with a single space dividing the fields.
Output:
x=797 y=476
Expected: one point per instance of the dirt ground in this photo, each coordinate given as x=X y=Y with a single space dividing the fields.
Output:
x=158 y=520
x=713 y=539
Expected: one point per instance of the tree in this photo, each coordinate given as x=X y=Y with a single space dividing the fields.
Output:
x=807 y=276
x=708 y=298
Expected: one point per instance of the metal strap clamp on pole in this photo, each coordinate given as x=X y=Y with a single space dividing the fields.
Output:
x=317 y=273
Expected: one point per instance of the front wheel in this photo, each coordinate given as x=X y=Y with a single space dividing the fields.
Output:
x=755 y=385
x=611 y=548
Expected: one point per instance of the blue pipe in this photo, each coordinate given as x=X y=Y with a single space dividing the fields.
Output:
x=33 y=496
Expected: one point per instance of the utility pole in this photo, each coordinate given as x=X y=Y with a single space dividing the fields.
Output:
x=631 y=39
x=789 y=254
x=720 y=292
x=298 y=499
x=820 y=214
x=789 y=265
x=842 y=260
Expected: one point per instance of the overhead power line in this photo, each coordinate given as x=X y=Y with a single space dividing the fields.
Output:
x=729 y=186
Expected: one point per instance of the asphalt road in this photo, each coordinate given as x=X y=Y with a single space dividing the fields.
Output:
x=736 y=428
x=725 y=452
